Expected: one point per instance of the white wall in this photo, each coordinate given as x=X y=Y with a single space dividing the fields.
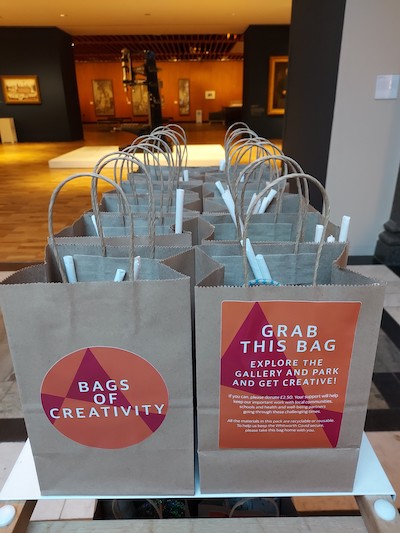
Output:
x=365 y=142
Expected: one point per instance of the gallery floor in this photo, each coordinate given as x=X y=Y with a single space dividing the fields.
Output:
x=26 y=183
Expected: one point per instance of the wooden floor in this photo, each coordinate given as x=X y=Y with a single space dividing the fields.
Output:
x=26 y=184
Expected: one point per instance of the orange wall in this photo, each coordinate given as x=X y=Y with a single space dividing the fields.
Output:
x=225 y=78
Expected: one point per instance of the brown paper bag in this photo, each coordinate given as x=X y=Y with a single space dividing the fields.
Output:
x=288 y=263
x=283 y=377
x=281 y=213
x=116 y=225
x=125 y=165
x=96 y=362
x=270 y=227
x=148 y=229
x=262 y=435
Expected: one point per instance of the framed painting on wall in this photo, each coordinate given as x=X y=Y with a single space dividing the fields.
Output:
x=184 y=96
x=140 y=100
x=277 y=85
x=103 y=97
x=21 y=89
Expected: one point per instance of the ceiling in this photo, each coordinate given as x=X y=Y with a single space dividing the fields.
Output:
x=175 y=30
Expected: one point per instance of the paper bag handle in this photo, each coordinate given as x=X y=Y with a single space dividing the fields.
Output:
x=255 y=148
x=125 y=157
x=181 y=145
x=282 y=179
x=175 y=137
x=55 y=193
x=235 y=131
x=245 y=175
x=131 y=149
x=268 y=153
x=151 y=145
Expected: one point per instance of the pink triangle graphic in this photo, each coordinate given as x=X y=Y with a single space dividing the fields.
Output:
x=234 y=359
x=90 y=371
x=331 y=428
x=51 y=402
x=152 y=420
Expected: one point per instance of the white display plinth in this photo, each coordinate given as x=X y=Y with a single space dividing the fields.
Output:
x=370 y=480
x=88 y=156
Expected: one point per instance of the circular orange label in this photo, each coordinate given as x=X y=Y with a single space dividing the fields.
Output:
x=104 y=397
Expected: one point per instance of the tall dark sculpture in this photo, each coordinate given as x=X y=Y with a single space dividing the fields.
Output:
x=146 y=74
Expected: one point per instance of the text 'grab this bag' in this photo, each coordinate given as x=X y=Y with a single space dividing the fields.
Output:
x=104 y=371
x=283 y=376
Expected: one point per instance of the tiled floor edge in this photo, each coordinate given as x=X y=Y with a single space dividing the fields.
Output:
x=391 y=327
x=363 y=260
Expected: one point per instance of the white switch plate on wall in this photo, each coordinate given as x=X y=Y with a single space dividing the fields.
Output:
x=387 y=86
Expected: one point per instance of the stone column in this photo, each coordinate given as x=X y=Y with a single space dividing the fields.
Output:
x=388 y=246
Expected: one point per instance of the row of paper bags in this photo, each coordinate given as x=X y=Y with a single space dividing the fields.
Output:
x=186 y=373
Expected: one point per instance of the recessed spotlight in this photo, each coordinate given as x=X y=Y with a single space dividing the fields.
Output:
x=63 y=15
x=147 y=14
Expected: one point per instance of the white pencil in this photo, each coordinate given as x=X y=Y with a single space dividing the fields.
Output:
x=265 y=273
x=251 y=257
x=267 y=200
x=70 y=268
x=250 y=208
x=136 y=267
x=95 y=225
x=119 y=274
x=220 y=187
x=344 y=229
x=180 y=194
x=227 y=198
x=319 y=228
